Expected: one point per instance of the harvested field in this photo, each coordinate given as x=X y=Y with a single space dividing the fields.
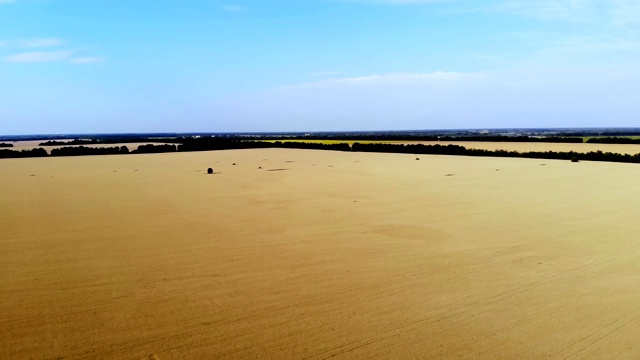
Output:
x=361 y=256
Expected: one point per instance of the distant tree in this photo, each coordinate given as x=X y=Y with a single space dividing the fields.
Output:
x=83 y=151
x=38 y=152
x=574 y=159
x=614 y=140
x=154 y=149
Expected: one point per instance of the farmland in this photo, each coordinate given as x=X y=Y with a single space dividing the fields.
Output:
x=302 y=254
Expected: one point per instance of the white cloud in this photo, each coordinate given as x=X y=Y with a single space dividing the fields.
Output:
x=394 y=79
x=45 y=56
x=38 y=57
x=32 y=43
x=626 y=12
x=402 y=2
x=51 y=56
x=234 y=8
x=41 y=42
x=521 y=97
x=378 y=101
x=6 y=1
x=543 y=9
x=620 y=13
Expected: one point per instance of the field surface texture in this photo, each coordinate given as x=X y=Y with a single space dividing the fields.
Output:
x=318 y=255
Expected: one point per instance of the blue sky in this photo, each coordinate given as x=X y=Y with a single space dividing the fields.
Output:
x=69 y=66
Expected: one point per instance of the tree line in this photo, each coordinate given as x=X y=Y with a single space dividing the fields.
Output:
x=462 y=151
x=87 y=151
x=70 y=142
x=155 y=149
x=108 y=140
x=614 y=140
x=6 y=145
x=84 y=151
x=502 y=138
x=213 y=143
x=421 y=137
x=12 y=154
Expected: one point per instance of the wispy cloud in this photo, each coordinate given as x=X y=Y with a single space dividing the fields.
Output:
x=402 y=2
x=406 y=77
x=41 y=42
x=6 y=1
x=38 y=57
x=51 y=56
x=234 y=8
x=626 y=12
x=394 y=78
x=542 y=9
x=620 y=13
x=522 y=97
x=33 y=43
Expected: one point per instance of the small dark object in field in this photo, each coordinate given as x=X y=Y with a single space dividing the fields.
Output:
x=259 y=167
x=417 y=158
x=574 y=159
x=234 y=164
x=450 y=175
x=543 y=164
x=497 y=169
x=209 y=171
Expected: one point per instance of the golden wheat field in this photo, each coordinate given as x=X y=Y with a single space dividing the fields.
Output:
x=318 y=255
